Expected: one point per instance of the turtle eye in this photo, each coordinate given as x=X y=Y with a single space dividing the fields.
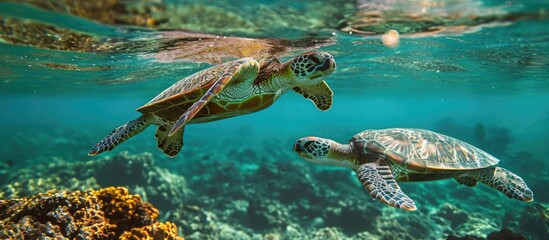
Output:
x=308 y=144
x=315 y=59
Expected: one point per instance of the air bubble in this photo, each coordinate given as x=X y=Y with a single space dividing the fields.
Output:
x=391 y=39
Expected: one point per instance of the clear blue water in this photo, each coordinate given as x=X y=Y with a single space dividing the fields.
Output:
x=497 y=76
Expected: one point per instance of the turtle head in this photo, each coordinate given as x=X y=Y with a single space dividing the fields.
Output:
x=311 y=66
x=324 y=151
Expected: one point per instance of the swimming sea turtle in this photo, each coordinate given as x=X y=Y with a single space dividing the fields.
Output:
x=382 y=157
x=230 y=89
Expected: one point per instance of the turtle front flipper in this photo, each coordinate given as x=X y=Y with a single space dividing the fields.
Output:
x=120 y=134
x=170 y=145
x=381 y=184
x=504 y=181
x=320 y=94
x=245 y=69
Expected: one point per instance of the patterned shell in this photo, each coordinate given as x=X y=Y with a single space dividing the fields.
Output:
x=176 y=99
x=192 y=83
x=419 y=149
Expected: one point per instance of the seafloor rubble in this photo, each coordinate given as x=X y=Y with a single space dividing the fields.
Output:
x=109 y=213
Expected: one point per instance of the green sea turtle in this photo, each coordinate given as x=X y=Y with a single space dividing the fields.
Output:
x=230 y=89
x=380 y=158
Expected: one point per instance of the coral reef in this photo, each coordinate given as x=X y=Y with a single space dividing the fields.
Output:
x=535 y=220
x=477 y=225
x=454 y=214
x=267 y=214
x=195 y=220
x=107 y=213
x=198 y=223
x=503 y=234
x=351 y=215
x=260 y=195
x=31 y=181
x=239 y=192
x=246 y=182
x=394 y=225
x=243 y=194
x=137 y=172
x=156 y=185
x=328 y=234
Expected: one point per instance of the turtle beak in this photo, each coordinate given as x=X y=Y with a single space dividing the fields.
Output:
x=327 y=67
x=297 y=147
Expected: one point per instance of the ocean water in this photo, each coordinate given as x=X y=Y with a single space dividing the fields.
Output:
x=69 y=75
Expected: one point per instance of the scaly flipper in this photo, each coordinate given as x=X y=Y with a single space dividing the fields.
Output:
x=504 y=181
x=320 y=94
x=120 y=134
x=242 y=70
x=381 y=184
x=170 y=145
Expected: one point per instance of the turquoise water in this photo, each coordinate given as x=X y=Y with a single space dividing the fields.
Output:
x=57 y=104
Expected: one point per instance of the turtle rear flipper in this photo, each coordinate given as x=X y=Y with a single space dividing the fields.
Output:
x=121 y=134
x=170 y=145
x=504 y=181
x=381 y=184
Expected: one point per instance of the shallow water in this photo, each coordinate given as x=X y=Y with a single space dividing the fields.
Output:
x=58 y=103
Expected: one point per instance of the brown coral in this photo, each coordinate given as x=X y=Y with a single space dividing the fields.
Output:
x=103 y=214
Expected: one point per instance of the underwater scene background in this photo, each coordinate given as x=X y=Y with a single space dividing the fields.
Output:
x=71 y=71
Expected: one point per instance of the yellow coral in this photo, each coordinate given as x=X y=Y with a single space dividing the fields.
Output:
x=103 y=214
x=166 y=230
